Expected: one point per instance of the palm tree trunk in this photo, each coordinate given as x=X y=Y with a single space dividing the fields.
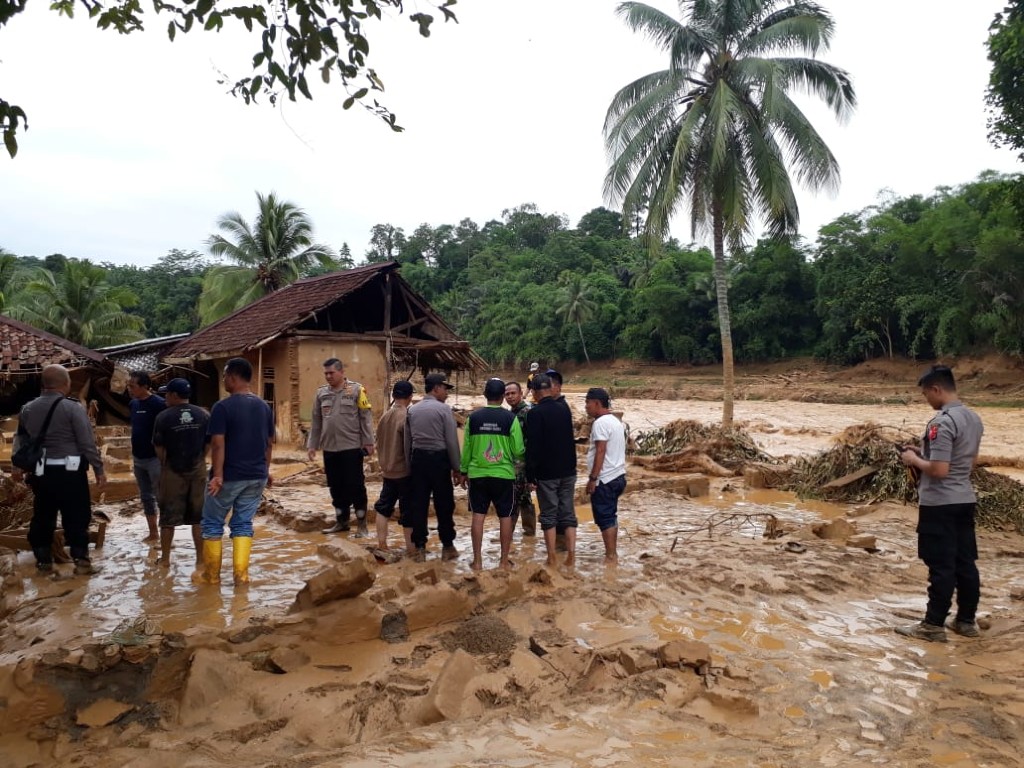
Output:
x=583 y=341
x=724 y=323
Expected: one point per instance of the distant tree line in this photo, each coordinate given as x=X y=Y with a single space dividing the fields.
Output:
x=918 y=276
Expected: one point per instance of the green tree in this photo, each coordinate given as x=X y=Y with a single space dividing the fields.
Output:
x=12 y=278
x=575 y=305
x=277 y=250
x=715 y=131
x=79 y=305
x=292 y=38
x=1005 y=94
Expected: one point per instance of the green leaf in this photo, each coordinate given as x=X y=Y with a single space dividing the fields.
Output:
x=304 y=87
x=347 y=104
x=171 y=30
x=11 y=142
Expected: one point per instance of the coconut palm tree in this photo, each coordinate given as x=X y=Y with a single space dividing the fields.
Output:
x=717 y=132
x=78 y=304
x=576 y=306
x=275 y=252
x=12 y=278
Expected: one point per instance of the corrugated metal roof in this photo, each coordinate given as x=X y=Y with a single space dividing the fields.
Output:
x=276 y=312
x=25 y=350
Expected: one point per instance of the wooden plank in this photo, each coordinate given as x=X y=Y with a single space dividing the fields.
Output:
x=853 y=477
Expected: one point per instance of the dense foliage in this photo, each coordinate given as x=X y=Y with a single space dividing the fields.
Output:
x=323 y=39
x=920 y=276
x=1005 y=94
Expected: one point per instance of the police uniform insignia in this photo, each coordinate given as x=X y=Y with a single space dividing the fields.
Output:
x=933 y=431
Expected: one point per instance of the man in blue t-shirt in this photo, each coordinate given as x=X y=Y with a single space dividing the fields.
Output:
x=145 y=407
x=241 y=441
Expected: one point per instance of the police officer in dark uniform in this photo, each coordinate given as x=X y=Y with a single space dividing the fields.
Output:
x=61 y=482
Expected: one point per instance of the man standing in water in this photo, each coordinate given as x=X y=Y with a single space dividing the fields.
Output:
x=241 y=441
x=525 y=510
x=394 y=464
x=145 y=406
x=343 y=428
x=179 y=437
x=606 y=469
x=945 y=528
x=551 y=466
x=60 y=482
x=492 y=445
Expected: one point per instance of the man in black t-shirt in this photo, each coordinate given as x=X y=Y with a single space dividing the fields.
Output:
x=179 y=436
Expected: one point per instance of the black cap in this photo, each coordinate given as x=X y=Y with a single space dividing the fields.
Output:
x=436 y=380
x=541 y=381
x=600 y=394
x=494 y=389
x=402 y=390
x=180 y=387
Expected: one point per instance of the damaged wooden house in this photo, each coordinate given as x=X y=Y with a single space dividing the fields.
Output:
x=369 y=317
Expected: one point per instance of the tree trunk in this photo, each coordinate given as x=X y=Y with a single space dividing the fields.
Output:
x=583 y=341
x=724 y=323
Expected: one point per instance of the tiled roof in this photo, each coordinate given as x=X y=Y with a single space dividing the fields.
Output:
x=25 y=350
x=276 y=312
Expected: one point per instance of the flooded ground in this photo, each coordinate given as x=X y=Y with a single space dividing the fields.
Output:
x=708 y=645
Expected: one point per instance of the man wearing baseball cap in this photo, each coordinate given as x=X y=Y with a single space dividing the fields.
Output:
x=432 y=443
x=606 y=466
x=179 y=436
x=394 y=464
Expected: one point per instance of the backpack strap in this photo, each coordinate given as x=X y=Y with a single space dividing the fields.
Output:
x=49 y=418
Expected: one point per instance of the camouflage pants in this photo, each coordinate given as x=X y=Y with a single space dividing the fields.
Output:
x=525 y=509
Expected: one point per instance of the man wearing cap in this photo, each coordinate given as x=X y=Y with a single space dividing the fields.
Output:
x=492 y=445
x=60 y=482
x=432 y=444
x=551 y=466
x=525 y=510
x=558 y=397
x=144 y=407
x=606 y=469
x=394 y=464
x=179 y=436
x=945 y=526
x=343 y=428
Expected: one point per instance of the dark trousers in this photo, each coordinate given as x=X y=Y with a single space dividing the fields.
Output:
x=345 y=479
x=59 y=490
x=393 y=491
x=431 y=475
x=947 y=545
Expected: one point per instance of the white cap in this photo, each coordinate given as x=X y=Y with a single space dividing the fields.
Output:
x=534 y=366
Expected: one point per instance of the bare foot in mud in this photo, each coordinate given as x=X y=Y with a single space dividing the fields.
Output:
x=151 y=538
x=506 y=565
x=477 y=564
x=164 y=561
x=552 y=562
x=611 y=560
x=570 y=560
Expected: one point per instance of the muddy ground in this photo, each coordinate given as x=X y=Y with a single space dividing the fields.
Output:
x=708 y=645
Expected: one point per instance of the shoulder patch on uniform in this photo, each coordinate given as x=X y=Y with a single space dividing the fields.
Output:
x=364 y=402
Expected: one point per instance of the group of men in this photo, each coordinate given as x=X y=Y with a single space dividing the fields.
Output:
x=506 y=455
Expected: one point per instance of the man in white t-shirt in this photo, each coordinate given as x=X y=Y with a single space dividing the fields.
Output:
x=606 y=469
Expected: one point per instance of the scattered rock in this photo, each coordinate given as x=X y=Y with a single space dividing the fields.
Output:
x=526 y=670
x=446 y=699
x=248 y=633
x=102 y=712
x=839 y=529
x=337 y=583
x=343 y=551
x=861 y=510
x=284 y=660
x=637 y=660
x=684 y=653
x=430 y=575
x=481 y=635
x=433 y=606
x=862 y=541
x=394 y=627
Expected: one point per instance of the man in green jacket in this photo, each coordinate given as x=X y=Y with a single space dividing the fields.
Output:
x=492 y=445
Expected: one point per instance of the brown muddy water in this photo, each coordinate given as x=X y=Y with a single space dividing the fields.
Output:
x=795 y=660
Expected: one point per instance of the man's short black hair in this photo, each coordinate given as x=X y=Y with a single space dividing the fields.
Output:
x=518 y=385
x=555 y=375
x=541 y=381
x=141 y=378
x=333 y=362
x=940 y=376
x=240 y=367
x=494 y=390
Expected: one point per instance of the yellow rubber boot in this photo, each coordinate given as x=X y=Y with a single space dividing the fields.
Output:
x=209 y=573
x=241 y=547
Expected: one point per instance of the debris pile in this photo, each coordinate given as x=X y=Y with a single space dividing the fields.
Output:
x=1000 y=501
x=685 y=444
x=863 y=466
x=15 y=504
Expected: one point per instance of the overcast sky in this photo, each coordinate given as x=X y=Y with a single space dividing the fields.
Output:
x=134 y=148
